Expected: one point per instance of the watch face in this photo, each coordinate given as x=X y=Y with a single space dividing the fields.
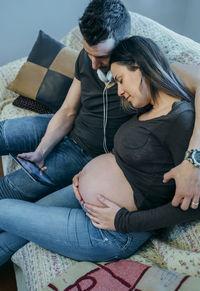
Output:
x=196 y=156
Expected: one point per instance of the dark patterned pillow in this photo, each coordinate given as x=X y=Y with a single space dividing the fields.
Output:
x=44 y=80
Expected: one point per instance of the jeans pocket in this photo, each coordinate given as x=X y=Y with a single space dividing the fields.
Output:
x=122 y=240
x=98 y=236
x=118 y=239
x=135 y=241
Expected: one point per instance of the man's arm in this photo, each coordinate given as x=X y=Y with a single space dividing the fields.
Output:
x=186 y=176
x=190 y=75
x=60 y=125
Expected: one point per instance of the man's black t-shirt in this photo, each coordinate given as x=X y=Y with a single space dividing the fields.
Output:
x=88 y=126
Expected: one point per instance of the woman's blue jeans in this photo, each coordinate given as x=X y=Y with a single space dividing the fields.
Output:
x=58 y=223
x=23 y=135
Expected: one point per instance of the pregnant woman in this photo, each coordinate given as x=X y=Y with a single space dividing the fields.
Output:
x=148 y=145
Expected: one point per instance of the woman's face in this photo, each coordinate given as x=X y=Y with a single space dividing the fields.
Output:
x=131 y=85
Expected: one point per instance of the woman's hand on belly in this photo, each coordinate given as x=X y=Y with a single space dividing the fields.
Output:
x=102 y=217
x=102 y=175
x=75 y=185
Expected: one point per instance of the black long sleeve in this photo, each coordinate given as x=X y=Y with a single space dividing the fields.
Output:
x=176 y=142
x=153 y=219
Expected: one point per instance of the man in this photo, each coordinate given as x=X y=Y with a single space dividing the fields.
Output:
x=83 y=127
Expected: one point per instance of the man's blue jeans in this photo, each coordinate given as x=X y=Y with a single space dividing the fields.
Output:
x=58 y=223
x=23 y=135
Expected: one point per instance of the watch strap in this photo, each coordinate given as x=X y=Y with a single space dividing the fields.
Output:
x=189 y=157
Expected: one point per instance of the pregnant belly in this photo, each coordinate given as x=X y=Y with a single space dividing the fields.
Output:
x=102 y=175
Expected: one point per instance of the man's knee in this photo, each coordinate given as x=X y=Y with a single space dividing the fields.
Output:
x=18 y=185
x=16 y=140
x=3 y=145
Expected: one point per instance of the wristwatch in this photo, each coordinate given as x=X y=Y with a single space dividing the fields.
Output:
x=193 y=156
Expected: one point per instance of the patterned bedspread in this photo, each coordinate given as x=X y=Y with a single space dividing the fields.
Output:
x=121 y=276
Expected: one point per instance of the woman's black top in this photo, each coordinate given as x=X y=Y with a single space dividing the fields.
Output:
x=145 y=151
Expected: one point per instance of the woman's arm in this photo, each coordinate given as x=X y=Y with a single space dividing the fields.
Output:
x=112 y=217
x=186 y=176
x=153 y=219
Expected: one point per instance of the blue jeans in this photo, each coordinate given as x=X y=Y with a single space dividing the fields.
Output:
x=58 y=223
x=23 y=135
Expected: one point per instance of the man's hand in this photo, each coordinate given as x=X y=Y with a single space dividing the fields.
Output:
x=35 y=157
x=75 y=185
x=187 y=178
x=102 y=217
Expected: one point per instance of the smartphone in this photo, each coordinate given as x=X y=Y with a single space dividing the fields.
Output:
x=33 y=171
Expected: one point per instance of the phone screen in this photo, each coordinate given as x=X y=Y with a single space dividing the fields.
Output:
x=33 y=171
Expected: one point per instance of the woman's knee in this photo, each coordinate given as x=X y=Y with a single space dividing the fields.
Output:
x=64 y=197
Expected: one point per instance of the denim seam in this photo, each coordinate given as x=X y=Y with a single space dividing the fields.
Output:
x=125 y=246
x=86 y=156
x=104 y=238
x=2 y=125
x=13 y=186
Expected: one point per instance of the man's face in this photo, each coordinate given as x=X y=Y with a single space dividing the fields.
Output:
x=100 y=54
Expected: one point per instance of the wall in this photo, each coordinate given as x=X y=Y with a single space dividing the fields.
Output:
x=21 y=20
x=191 y=27
x=181 y=16
x=169 y=13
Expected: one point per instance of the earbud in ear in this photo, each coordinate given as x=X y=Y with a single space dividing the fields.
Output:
x=109 y=76
x=103 y=77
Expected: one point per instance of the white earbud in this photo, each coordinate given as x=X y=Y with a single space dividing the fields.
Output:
x=104 y=78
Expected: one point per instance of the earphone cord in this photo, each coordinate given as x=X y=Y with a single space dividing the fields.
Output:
x=105 y=116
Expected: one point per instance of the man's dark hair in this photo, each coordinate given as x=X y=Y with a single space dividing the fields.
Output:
x=103 y=19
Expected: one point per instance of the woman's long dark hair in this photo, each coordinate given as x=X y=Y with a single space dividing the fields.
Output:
x=154 y=66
